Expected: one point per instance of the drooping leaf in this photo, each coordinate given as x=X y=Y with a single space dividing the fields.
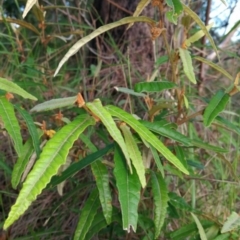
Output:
x=216 y=105
x=166 y=131
x=160 y=197
x=100 y=173
x=52 y=157
x=197 y=19
x=157 y=160
x=106 y=118
x=153 y=86
x=22 y=161
x=31 y=128
x=200 y=227
x=187 y=64
x=128 y=186
x=232 y=223
x=229 y=124
x=200 y=144
x=147 y=135
x=134 y=153
x=9 y=86
x=100 y=223
x=77 y=166
x=11 y=124
x=215 y=66
x=87 y=215
x=75 y=48
x=54 y=104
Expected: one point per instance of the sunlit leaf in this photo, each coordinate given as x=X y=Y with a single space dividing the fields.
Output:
x=11 y=124
x=217 y=104
x=28 y=7
x=147 y=135
x=14 y=88
x=231 y=223
x=128 y=186
x=134 y=153
x=106 y=118
x=52 y=157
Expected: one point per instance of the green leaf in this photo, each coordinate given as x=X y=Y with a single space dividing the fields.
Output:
x=157 y=160
x=129 y=91
x=160 y=197
x=106 y=118
x=52 y=157
x=177 y=9
x=147 y=135
x=77 y=166
x=200 y=144
x=87 y=215
x=14 y=88
x=199 y=34
x=75 y=48
x=216 y=105
x=54 y=104
x=100 y=223
x=11 y=124
x=201 y=25
x=134 y=153
x=166 y=131
x=232 y=223
x=215 y=66
x=22 y=161
x=100 y=173
x=228 y=124
x=153 y=86
x=200 y=227
x=31 y=128
x=128 y=186
x=187 y=64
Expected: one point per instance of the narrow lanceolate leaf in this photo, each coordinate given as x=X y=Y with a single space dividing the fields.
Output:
x=14 y=88
x=87 y=215
x=100 y=173
x=54 y=103
x=187 y=64
x=153 y=86
x=140 y=7
x=147 y=135
x=201 y=25
x=11 y=124
x=31 y=128
x=52 y=157
x=22 y=161
x=201 y=231
x=216 y=105
x=200 y=144
x=160 y=196
x=28 y=7
x=128 y=186
x=134 y=154
x=215 y=66
x=75 y=48
x=106 y=118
